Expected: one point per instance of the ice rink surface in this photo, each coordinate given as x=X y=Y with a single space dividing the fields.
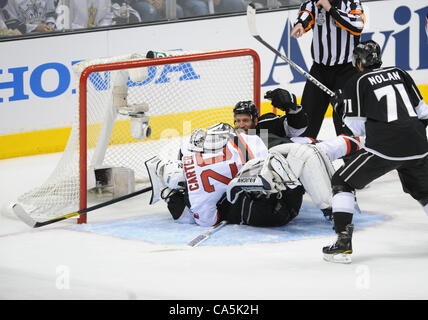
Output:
x=117 y=255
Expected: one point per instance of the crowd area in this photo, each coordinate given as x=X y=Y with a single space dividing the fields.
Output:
x=23 y=17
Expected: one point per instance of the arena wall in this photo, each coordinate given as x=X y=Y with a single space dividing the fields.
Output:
x=38 y=87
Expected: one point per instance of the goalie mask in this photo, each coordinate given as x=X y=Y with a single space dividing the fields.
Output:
x=213 y=139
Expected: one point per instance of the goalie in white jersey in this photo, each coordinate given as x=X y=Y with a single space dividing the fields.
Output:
x=195 y=187
x=211 y=159
x=224 y=175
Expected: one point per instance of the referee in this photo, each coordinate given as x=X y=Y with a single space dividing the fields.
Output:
x=336 y=26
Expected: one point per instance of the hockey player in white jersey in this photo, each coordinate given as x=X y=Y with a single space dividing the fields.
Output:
x=208 y=184
x=210 y=160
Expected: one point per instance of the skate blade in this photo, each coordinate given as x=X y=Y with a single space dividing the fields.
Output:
x=338 y=258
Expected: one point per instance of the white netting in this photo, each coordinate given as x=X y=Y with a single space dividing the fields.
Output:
x=181 y=97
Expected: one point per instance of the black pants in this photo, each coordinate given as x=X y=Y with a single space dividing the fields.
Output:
x=262 y=211
x=315 y=101
x=364 y=167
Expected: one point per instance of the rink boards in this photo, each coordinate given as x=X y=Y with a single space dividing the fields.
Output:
x=38 y=88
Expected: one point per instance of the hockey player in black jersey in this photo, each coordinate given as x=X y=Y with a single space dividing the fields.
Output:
x=385 y=106
x=276 y=129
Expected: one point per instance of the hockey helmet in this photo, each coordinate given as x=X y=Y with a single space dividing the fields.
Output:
x=246 y=107
x=369 y=53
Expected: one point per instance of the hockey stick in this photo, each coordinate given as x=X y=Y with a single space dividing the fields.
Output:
x=24 y=216
x=204 y=236
x=251 y=18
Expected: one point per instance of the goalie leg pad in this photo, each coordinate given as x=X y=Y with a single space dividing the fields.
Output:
x=313 y=168
x=281 y=167
x=276 y=173
x=247 y=179
x=316 y=177
x=153 y=168
x=269 y=175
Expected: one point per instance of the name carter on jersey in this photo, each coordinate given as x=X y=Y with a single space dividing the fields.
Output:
x=189 y=169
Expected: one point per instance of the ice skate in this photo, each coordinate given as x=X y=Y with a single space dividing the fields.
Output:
x=341 y=250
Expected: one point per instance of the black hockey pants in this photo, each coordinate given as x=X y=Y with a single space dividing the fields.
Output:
x=262 y=211
x=315 y=101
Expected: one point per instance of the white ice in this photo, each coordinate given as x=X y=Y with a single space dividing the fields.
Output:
x=390 y=260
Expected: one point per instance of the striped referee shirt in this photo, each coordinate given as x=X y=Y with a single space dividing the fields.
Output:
x=335 y=33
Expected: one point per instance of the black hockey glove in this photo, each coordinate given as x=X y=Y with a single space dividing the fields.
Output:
x=176 y=202
x=337 y=102
x=283 y=100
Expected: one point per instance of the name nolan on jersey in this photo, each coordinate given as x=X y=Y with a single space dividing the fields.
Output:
x=379 y=78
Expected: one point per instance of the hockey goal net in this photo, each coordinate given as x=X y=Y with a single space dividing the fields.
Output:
x=119 y=98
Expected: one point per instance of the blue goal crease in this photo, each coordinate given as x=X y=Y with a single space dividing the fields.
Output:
x=161 y=229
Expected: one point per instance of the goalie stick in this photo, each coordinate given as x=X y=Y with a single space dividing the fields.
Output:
x=251 y=18
x=24 y=216
x=204 y=236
